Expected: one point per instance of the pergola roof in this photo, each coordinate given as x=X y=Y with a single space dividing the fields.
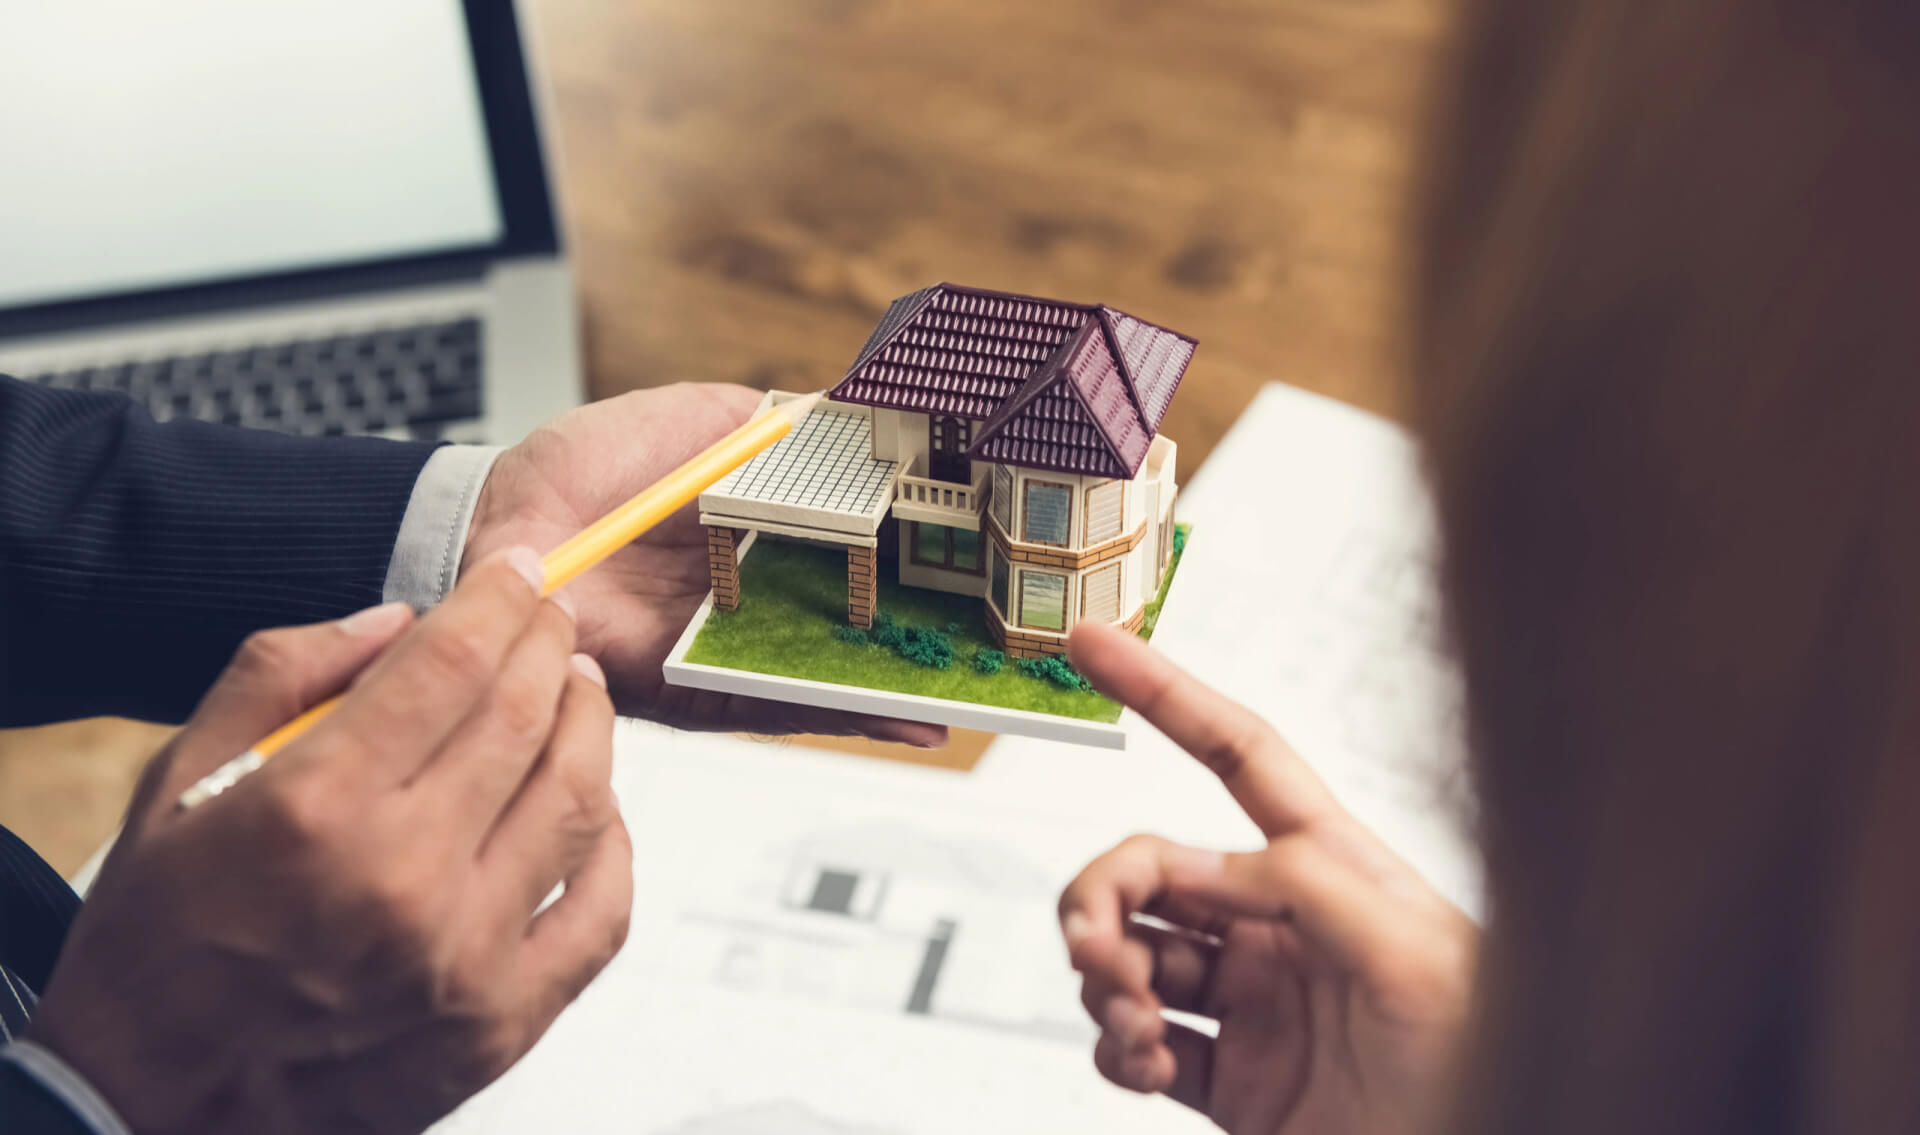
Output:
x=820 y=480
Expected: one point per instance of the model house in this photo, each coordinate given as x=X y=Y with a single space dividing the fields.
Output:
x=1003 y=446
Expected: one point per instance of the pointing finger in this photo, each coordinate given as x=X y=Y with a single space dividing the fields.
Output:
x=1266 y=777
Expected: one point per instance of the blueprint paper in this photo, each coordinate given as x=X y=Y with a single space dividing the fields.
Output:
x=825 y=945
x=832 y=945
x=1306 y=593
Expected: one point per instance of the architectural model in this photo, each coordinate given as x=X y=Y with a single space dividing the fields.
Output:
x=995 y=447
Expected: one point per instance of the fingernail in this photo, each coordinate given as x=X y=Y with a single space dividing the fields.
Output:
x=565 y=602
x=376 y=621
x=590 y=669
x=1128 y=1021
x=1076 y=927
x=526 y=561
x=1195 y=862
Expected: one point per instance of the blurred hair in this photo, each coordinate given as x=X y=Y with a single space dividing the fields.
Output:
x=1668 y=374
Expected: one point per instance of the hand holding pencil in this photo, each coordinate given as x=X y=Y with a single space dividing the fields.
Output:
x=372 y=899
x=582 y=550
x=391 y=861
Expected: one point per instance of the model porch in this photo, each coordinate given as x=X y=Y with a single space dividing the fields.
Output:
x=821 y=484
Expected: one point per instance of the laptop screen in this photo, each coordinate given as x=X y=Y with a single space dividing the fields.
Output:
x=149 y=145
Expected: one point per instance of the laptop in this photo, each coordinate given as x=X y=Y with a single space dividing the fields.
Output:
x=314 y=216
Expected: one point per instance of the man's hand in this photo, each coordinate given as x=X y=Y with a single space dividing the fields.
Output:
x=1339 y=979
x=574 y=470
x=347 y=939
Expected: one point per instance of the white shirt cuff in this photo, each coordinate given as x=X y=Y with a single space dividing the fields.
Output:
x=59 y=1078
x=433 y=532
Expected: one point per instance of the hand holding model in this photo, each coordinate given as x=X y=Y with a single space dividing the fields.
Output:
x=348 y=939
x=1339 y=979
x=575 y=469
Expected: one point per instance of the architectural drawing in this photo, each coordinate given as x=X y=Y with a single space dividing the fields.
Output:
x=891 y=918
x=777 y=1117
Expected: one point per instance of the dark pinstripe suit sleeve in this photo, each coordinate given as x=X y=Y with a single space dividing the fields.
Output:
x=30 y=1109
x=134 y=556
x=36 y=906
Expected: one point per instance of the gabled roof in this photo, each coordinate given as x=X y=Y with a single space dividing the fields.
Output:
x=1075 y=388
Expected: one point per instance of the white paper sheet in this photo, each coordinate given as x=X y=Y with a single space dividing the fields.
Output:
x=825 y=945
x=1306 y=593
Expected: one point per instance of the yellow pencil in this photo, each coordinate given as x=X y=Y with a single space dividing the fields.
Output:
x=565 y=563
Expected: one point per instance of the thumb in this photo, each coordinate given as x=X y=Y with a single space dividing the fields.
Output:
x=1352 y=919
x=274 y=677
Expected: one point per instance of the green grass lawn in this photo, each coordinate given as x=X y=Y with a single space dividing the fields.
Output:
x=792 y=596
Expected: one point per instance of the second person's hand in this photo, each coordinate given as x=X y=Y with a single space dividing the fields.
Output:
x=1338 y=978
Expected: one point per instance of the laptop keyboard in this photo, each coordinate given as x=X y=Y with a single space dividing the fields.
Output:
x=412 y=380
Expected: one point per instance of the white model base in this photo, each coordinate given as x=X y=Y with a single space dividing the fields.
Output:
x=885 y=703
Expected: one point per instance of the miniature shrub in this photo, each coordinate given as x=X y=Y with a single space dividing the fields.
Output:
x=989 y=661
x=852 y=636
x=1179 y=540
x=887 y=633
x=1053 y=669
x=924 y=646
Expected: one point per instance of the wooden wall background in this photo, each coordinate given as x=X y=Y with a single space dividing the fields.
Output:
x=749 y=182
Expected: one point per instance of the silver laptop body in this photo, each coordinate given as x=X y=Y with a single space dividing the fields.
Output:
x=352 y=229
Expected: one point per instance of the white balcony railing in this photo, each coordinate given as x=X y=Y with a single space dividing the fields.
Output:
x=941 y=502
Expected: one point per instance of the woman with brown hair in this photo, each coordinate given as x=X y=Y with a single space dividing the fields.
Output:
x=1668 y=381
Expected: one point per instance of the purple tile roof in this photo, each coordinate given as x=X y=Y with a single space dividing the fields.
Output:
x=1074 y=388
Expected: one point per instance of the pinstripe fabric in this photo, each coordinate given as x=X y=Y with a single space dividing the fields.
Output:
x=135 y=556
x=62 y=1081
x=27 y=1107
x=36 y=905
x=16 y=1005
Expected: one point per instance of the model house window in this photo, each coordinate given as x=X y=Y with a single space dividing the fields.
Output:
x=1104 y=511
x=965 y=544
x=1003 y=497
x=999 y=588
x=949 y=438
x=1100 y=594
x=938 y=546
x=1043 y=600
x=1046 y=513
x=929 y=544
x=1154 y=532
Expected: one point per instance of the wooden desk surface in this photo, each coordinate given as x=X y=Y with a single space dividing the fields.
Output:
x=749 y=182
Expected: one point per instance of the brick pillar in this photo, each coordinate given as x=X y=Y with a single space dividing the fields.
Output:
x=723 y=564
x=863 y=575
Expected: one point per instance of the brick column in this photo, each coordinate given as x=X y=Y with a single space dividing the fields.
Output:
x=863 y=574
x=723 y=564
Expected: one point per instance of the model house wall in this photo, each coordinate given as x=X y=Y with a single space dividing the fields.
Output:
x=1013 y=442
x=1062 y=548
x=1044 y=549
x=900 y=435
